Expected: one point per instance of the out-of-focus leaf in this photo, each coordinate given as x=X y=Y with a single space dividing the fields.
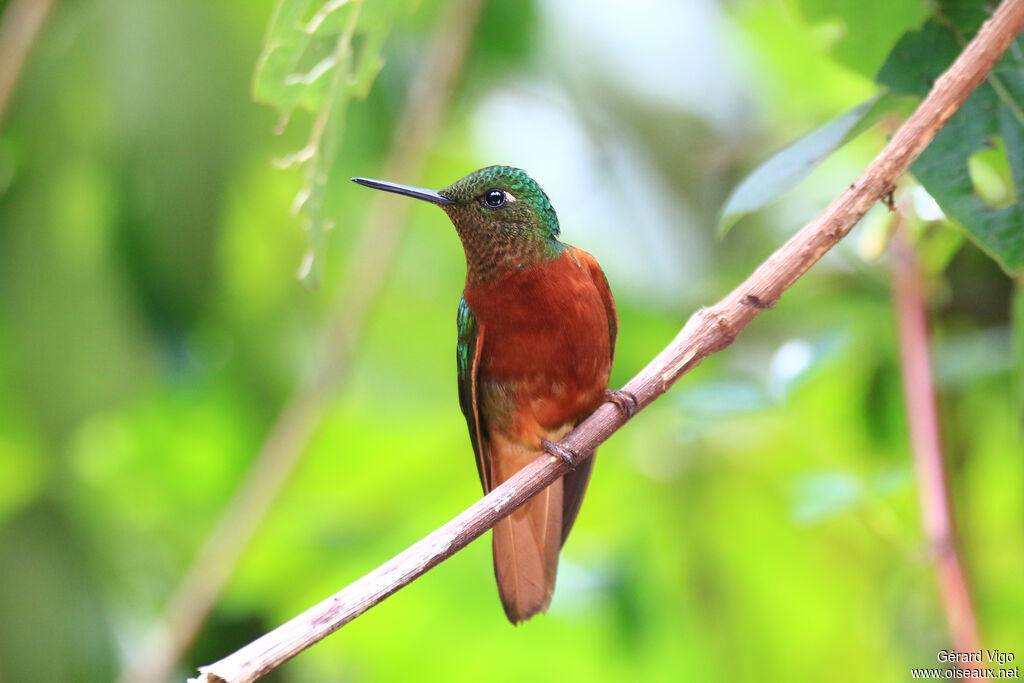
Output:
x=969 y=356
x=505 y=35
x=989 y=169
x=821 y=495
x=711 y=402
x=940 y=244
x=21 y=472
x=865 y=30
x=784 y=171
x=796 y=358
x=722 y=399
x=992 y=116
x=319 y=58
x=55 y=627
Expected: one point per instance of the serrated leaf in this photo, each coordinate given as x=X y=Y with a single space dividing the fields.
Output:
x=312 y=59
x=784 y=171
x=994 y=112
x=283 y=47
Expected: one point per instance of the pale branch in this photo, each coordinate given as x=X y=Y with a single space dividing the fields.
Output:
x=293 y=428
x=923 y=420
x=709 y=330
x=19 y=28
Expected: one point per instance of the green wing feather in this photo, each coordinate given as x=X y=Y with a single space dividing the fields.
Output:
x=470 y=344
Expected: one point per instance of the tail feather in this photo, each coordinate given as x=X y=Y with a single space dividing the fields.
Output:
x=526 y=545
x=574 y=485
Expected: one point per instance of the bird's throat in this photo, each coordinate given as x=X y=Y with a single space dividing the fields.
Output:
x=491 y=255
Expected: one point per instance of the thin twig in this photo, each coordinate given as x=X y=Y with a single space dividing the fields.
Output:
x=707 y=331
x=19 y=28
x=295 y=425
x=933 y=488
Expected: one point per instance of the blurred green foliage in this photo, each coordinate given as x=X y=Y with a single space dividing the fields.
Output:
x=759 y=522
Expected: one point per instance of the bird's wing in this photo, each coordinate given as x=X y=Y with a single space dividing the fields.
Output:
x=526 y=543
x=575 y=482
x=589 y=263
x=471 y=343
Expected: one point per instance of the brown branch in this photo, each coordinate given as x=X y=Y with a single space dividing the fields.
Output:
x=286 y=441
x=933 y=489
x=19 y=28
x=707 y=331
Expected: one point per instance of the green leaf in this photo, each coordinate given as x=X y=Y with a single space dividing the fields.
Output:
x=784 y=171
x=863 y=31
x=918 y=59
x=318 y=57
x=992 y=118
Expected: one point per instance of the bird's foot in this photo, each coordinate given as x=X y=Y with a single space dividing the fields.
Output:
x=625 y=400
x=568 y=455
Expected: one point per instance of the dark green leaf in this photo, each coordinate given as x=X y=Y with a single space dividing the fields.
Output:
x=865 y=29
x=918 y=59
x=992 y=118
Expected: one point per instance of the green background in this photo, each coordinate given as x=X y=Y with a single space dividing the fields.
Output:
x=758 y=522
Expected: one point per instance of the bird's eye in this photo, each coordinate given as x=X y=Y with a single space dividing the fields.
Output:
x=494 y=198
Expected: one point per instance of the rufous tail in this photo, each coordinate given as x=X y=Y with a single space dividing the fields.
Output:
x=526 y=545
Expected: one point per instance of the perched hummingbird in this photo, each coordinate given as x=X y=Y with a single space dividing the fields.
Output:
x=536 y=337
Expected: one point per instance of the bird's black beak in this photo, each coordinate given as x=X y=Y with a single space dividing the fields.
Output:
x=417 y=192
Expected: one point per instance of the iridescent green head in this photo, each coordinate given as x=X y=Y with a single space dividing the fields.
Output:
x=504 y=199
x=503 y=217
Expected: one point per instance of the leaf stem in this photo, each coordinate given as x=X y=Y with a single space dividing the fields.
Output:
x=933 y=486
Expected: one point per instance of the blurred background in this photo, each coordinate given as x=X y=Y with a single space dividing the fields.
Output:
x=759 y=522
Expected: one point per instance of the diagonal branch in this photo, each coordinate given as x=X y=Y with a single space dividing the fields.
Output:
x=707 y=331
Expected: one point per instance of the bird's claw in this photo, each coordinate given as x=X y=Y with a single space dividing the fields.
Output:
x=625 y=400
x=568 y=455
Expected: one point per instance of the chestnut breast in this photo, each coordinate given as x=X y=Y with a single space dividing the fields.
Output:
x=546 y=339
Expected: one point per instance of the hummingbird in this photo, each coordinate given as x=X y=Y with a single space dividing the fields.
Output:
x=536 y=339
